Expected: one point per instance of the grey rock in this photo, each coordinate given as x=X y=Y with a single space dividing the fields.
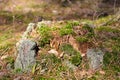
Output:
x=39 y=24
x=28 y=30
x=26 y=51
x=95 y=57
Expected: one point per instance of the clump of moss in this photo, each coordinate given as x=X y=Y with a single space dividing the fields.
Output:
x=82 y=39
x=66 y=30
x=18 y=71
x=75 y=57
x=45 y=33
x=90 y=31
x=68 y=49
x=73 y=23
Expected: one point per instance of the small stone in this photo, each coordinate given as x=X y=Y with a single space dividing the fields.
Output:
x=55 y=12
x=53 y=51
x=95 y=57
x=102 y=72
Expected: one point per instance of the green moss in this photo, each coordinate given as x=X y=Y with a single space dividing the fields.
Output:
x=73 y=23
x=89 y=29
x=17 y=71
x=87 y=36
x=67 y=29
x=81 y=39
x=67 y=48
x=62 y=68
x=75 y=57
x=64 y=31
x=45 y=33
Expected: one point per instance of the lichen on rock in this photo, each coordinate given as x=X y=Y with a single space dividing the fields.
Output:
x=26 y=50
x=95 y=57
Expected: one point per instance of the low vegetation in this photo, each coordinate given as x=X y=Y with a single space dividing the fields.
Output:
x=52 y=67
x=44 y=32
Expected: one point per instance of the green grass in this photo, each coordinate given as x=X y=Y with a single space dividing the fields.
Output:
x=4 y=40
x=103 y=20
x=5 y=36
x=52 y=66
x=90 y=31
x=108 y=29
